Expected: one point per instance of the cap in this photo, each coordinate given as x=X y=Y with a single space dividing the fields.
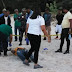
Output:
x=4 y=9
x=15 y=10
x=24 y=9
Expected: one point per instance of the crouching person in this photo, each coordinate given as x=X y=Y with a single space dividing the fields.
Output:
x=21 y=53
x=5 y=32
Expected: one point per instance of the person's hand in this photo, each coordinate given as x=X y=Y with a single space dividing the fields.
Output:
x=70 y=31
x=49 y=39
x=10 y=44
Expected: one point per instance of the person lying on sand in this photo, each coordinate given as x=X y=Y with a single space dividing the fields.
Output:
x=21 y=52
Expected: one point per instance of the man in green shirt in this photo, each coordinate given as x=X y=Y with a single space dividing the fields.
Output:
x=5 y=32
x=17 y=23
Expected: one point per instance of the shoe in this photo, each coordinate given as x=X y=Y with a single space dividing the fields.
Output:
x=66 y=52
x=5 y=54
x=26 y=63
x=20 y=44
x=15 y=40
x=60 y=51
x=0 y=53
x=44 y=38
x=38 y=66
x=56 y=37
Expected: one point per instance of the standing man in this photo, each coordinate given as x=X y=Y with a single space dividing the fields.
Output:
x=4 y=10
x=5 y=19
x=59 y=18
x=5 y=32
x=47 y=18
x=66 y=27
x=17 y=23
x=22 y=19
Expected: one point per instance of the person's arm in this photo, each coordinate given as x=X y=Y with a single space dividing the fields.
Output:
x=44 y=31
x=10 y=38
x=27 y=28
x=70 y=30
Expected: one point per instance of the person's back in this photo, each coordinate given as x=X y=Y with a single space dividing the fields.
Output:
x=5 y=29
x=35 y=25
x=59 y=18
x=5 y=32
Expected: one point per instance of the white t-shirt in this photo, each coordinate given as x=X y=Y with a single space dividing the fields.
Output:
x=6 y=20
x=65 y=22
x=35 y=25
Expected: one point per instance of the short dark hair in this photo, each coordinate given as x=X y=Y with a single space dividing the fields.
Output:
x=47 y=9
x=71 y=10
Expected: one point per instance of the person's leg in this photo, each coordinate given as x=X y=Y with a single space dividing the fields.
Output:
x=62 y=41
x=15 y=33
x=32 y=57
x=49 y=31
x=5 y=47
x=21 y=37
x=36 y=52
x=56 y=31
x=37 y=46
x=20 y=54
x=31 y=38
x=60 y=30
x=44 y=34
x=68 y=42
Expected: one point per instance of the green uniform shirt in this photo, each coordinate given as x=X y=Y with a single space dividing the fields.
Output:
x=17 y=23
x=5 y=29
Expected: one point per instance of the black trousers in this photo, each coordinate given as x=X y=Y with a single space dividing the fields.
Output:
x=3 y=43
x=65 y=34
x=21 y=36
x=35 y=42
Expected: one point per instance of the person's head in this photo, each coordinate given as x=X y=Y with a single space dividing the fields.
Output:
x=12 y=51
x=4 y=10
x=71 y=10
x=16 y=11
x=24 y=11
x=46 y=10
x=8 y=12
x=59 y=11
x=28 y=9
x=36 y=12
x=65 y=9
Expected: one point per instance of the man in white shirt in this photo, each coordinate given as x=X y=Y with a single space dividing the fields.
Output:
x=66 y=27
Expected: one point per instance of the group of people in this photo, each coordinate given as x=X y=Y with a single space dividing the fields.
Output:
x=32 y=23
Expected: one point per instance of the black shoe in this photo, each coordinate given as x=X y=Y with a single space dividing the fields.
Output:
x=44 y=38
x=26 y=63
x=66 y=52
x=60 y=51
x=15 y=40
x=20 y=44
x=0 y=53
x=5 y=54
x=38 y=66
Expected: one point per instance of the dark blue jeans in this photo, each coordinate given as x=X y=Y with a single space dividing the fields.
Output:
x=16 y=28
x=21 y=54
